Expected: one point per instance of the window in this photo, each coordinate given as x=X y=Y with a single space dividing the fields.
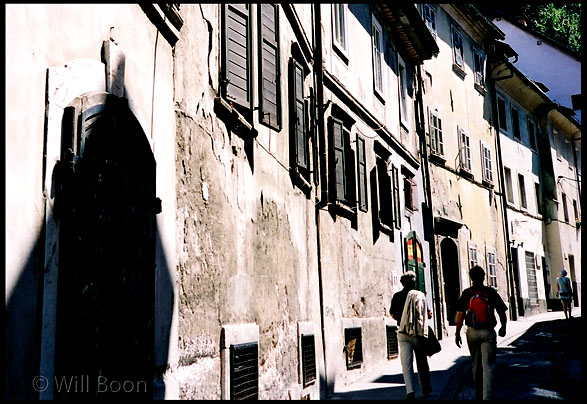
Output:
x=236 y=55
x=362 y=173
x=377 y=40
x=565 y=209
x=269 y=75
x=396 y=201
x=339 y=26
x=522 y=190
x=308 y=359
x=491 y=271
x=436 y=143
x=353 y=347
x=538 y=198
x=342 y=163
x=479 y=64
x=486 y=161
x=503 y=124
x=244 y=371
x=575 y=210
x=465 y=150
x=430 y=18
x=532 y=134
x=472 y=256
x=532 y=283
x=515 y=123
x=457 y=47
x=403 y=96
x=392 y=344
x=298 y=119
x=508 y=185
x=385 y=202
x=409 y=186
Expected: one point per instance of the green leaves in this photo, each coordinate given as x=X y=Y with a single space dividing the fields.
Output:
x=558 y=21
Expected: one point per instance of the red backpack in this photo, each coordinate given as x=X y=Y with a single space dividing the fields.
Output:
x=480 y=312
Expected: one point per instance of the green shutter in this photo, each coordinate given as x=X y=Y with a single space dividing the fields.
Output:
x=269 y=74
x=298 y=112
x=362 y=173
x=236 y=83
x=339 y=155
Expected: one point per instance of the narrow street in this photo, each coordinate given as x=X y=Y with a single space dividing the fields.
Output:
x=539 y=358
x=544 y=363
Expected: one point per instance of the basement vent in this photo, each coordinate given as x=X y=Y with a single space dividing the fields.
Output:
x=353 y=347
x=308 y=360
x=392 y=346
x=244 y=371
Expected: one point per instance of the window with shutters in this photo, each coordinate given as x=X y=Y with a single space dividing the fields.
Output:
x=464 y=151
x=339 y=29
x=269 y=74
x=565 y=208
x=408 y=193
x=415 y=259
x=298 y=118
x=396 y=198
x=532 y=134
x=435 y=125
x=362 y=174
x=429 y=15
x=538 y=198
x=491 y=269
x=503 y=123
x=515 y=123
x=479 y=69
x=532 y=282
x=236 y=55
x=377 y=43
x=244 y=371
x=384 y=191
x=308 y=359
x=486 y=163
x=341 y=161
x=522 y=191
x=457 y=51
x=508 y=185
x=392 y=344
x=403 y=95
x=353 y=347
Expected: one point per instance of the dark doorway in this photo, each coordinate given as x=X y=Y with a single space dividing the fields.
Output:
x=106 y=206
x=450 y=273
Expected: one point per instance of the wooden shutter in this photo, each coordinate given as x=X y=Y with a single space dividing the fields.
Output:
x=244 y=371
x=362 y=173
x=385 y=193
x=236 y=64
x=298 y=115
x=338 y=156
x=308 y=360
x=396 y=198
x=269 y=75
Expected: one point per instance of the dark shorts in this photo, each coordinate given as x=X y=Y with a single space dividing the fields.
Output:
x=565 y=296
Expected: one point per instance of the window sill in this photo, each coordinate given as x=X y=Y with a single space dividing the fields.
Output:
x=342 y=54
x=379 y=96
x=481 y=89
x=459 y=71
x=166 y=19
x=342 y=209
x=299 y=179
x=233 y=119
x=437 y=158
x=464 y=172
x=488 y=184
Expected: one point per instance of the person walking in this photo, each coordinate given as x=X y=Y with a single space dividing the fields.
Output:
x=410 y=309
x=477 y=306
x=565 y=292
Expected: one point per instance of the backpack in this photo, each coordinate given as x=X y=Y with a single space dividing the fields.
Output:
x=480 y=312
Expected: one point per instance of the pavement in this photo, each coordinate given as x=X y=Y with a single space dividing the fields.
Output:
x=449 y=368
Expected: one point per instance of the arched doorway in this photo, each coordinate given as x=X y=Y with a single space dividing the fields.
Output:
x=105 y=204
x=450 y=274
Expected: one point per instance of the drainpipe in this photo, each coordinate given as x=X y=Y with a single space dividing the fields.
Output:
x=576 y=168
x=429 y=216
x=510 y=271
x=319 y=113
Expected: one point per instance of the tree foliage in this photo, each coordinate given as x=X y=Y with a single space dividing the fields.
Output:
x=558 y=21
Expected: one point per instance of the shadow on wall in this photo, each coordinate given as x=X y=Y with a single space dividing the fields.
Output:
x=115 y=292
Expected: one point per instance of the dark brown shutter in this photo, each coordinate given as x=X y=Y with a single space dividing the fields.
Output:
x=244 y=371
x=236 y=83
x=308 y=360
x=269 y=80
x=385 y=193
x=362 y=173
x=298 y=116
x=339 y=159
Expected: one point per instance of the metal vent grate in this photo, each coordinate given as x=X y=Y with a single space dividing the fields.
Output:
x=308 y=360
x=392 y=346
x=244 y=371
x=353 y=347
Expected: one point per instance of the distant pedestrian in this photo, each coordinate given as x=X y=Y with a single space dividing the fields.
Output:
x=477 y=306
x=410 y=309
x=565 y=292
